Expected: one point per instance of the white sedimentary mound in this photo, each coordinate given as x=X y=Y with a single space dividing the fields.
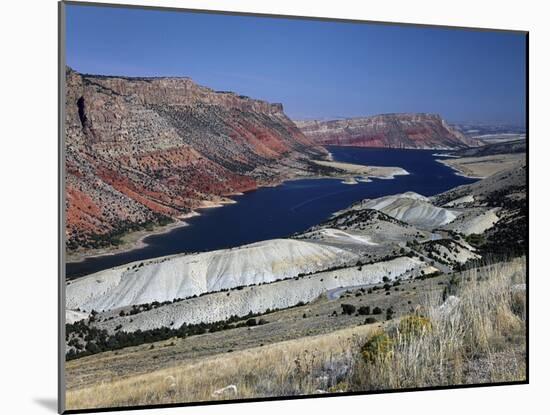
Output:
x=182 y=276
x=477 y=224
x=72 y=316
x=410 y=207
x=460 y=201
x=341 y=236
x=257 y=299
x=457 y=253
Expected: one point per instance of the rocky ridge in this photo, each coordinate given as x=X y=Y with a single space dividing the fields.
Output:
x=411 y=131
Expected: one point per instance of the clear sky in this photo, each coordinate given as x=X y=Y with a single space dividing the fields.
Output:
x=316 y=69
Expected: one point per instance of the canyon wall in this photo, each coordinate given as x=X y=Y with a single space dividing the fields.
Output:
x=144 y=151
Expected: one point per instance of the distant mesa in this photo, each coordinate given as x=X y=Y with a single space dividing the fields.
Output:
x=410 y=131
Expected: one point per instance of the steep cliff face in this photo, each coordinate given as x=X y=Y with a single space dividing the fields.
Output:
x=427 y=131
x=140 y=151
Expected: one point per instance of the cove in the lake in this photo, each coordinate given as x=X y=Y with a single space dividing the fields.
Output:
x=294 y=206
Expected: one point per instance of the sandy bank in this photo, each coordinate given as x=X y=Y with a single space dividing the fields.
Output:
x=380 y=172
x=481 y=167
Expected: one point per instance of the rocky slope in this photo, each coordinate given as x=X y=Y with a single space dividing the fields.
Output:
x=504 y=187
x=142 y=151
x=421 y=131
x=505 y=195
x=508 y=147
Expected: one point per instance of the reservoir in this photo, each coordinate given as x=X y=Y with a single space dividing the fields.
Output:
x=294 y=206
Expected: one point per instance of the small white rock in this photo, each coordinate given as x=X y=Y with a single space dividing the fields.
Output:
x=228 y=390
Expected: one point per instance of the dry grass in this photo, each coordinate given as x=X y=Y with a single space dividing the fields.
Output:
x=481 y=339
x=287 y=368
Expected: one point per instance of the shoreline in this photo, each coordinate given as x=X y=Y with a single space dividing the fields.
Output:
x=459 y=172
x=136 y=240
x=445 y=155
x=392 y=148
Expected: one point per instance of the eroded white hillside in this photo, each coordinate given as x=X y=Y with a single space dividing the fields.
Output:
x=72 y=316
x=182 y=276
x=460 y=201
x=257 y=299
x=411 y=208
x=478 y=223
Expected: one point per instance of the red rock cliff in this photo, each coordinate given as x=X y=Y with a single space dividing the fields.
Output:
x=141 y=150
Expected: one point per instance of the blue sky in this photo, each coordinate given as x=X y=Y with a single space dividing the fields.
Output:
x=316 y=69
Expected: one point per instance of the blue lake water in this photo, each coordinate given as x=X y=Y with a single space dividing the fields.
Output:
x=294 y=206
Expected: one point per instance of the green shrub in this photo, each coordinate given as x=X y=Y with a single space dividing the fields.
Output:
x=364 y=310
x=475 y=239
x=414 y=325
x=348 y=309
x=378 y=346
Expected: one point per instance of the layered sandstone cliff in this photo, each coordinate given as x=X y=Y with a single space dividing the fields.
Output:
x=421 y=131
x=142 y=151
